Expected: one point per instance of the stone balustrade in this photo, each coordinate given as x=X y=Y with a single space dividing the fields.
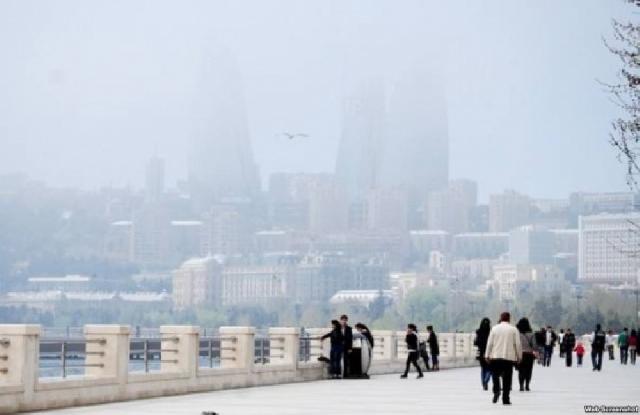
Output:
x=107 y=376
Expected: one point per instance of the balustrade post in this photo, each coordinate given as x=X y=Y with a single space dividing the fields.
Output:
x=318 y=347
x=284 y=345
x=19 y=357
x=180 y=349
x=384 y=344
x=107 y=351
x=237 y=347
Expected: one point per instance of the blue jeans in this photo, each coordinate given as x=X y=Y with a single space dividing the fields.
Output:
x=335 y=358
x=485 y=372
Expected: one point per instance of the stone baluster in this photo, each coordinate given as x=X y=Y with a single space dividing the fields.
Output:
x=237 y=347
x=107 y=351
x=180 y=349
x=284 y=345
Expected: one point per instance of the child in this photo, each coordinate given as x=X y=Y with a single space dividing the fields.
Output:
x=579 y=349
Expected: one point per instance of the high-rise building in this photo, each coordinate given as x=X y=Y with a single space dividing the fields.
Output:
x=151 y=227
x=585 y=204
x=154 y=179
x=451 y=209
x=416 y=145
x=531 y=245
x=387 y=210
x=608 y=248
x=480 y=245
x=359 y=153
x=221 y=160
x=328 y=207
x=508 y=210
x=198 y=281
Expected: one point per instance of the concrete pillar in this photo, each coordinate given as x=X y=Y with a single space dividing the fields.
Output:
x=19 y=355
x=237 y=347
x=469 y=351
x=180 y=349
x=385 y=345
x=284 y=345
x=107 y=351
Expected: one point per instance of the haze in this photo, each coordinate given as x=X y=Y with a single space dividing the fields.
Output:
x=90 y=90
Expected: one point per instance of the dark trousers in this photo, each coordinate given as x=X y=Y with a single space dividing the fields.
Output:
x=610 y=349
x=335 y=358
x=525 y=369
x=502 y=369
x=568 y=358
x=596 y=359
x=579 y=357
x=632 y=355
x=485 y=372
x=346 y=364
x=412 y=359
x=624 y=354
x=548 y=352
x=425 y=359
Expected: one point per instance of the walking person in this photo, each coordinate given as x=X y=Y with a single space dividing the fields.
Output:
x=434 y=348
x=337 y=344
x=347 y=344
x=424 y=354
x=561 y=345
x=528 y=344
x=482 y=335
x=579 y=349
x=540 y=339
x=549 y=344
x=412 y=351
x=623 y=345
x=598 y=341
x=568 y=343
x=633 y=346
x=609 y=344
x=503 y=351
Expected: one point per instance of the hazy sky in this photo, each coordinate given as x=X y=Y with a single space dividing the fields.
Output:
x=90 y=89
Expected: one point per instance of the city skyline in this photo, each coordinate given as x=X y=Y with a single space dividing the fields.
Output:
x=513 y=122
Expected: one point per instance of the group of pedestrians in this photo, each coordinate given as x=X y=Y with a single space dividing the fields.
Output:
x=343 y=361
x=416 y=349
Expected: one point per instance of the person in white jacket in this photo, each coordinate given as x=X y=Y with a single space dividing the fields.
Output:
x=503 y=352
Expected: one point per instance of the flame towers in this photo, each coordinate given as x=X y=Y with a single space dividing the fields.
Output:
x=221 y=162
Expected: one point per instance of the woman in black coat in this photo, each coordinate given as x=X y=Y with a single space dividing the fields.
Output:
x=434 y=348
x=482 y=335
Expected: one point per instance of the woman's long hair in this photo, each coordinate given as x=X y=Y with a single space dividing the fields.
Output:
x=524 y=326
x=485 y=326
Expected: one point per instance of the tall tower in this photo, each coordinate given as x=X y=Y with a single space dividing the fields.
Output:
x=221 y=160
x=416 y=147
x=359 y=153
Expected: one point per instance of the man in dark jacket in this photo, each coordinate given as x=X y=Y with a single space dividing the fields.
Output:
x=568 y=343
x=434 y=348
x=347 y=343
x=598 y=341
x=337 y=345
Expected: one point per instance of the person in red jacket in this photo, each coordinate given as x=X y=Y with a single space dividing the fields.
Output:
x=633 y=346
x=579 y=349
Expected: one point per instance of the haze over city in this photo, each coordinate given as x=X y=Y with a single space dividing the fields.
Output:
x=91 y=90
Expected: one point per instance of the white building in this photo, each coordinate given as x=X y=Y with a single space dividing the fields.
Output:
x=360 y=297
x=608 y=248
x=254 y=284
x=197 y=282
x=514 y=280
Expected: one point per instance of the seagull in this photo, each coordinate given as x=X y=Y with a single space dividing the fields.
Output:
x=291 y=136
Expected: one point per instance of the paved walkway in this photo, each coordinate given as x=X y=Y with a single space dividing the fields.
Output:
x=555 y=390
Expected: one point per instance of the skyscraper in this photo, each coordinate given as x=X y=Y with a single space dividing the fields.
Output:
x=416 y=145
x=221 y=160
x=359 y=153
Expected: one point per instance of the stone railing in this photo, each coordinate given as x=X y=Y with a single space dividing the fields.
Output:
x=107 y=376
